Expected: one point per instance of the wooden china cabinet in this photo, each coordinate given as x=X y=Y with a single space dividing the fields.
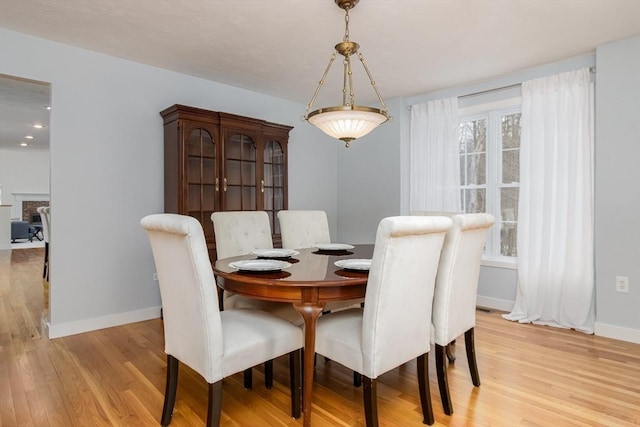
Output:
x=217 y=161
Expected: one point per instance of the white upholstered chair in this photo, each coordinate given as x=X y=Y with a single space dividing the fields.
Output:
x=303 y=228
x=394 y=326
x=215 y=344
x=450 y=349
x=454 y=303
x=239 y=233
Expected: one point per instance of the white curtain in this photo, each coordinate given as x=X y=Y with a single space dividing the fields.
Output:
x=555 y=210
x=435 y=157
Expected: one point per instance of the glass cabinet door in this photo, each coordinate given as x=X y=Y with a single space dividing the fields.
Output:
x=239 y=183
x=273 y=183
x=202 y=177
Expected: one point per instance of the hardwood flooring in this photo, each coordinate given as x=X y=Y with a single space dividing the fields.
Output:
x=531 y=376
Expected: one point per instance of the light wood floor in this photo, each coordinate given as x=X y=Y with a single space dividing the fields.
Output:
x=531 y=376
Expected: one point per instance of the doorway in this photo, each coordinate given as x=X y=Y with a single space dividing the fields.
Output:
x=25 y=107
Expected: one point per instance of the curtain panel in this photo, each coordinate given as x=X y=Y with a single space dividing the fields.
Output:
x=435 y=157
x=555 y=224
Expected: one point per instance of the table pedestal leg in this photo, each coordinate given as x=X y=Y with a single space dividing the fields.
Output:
x=310 y=315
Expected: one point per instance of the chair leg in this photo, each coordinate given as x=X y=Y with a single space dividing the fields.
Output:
x=46 y=261
x=425 y=392
x=370 y=402
x=248 y=379
x=268 y=374
x=170 y=390
x=469 y=343
x=295 y=373
x=443 y=385
x=220 y=298
x=357 y=379
x=215 y=404
x=451 y=351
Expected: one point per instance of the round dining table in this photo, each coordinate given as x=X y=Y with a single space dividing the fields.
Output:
x=311 y=280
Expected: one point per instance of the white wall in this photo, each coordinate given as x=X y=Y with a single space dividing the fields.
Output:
x=617 y=188
x=107 y=171
x=23 y=172
x=369 y=178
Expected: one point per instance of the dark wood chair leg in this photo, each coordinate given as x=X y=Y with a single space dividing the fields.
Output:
x=295 y=374
x=357 y=379
x=268 y=374
x=441 y=370
x=220 y=298
x=248 y=379
x=423 y=387
x=469 y=343
x=215 y=404
x=370 y=402
x=451 y=351
x=45 y=270
x=170 y=390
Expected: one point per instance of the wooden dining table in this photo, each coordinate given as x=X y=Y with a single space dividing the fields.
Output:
x=308 y=283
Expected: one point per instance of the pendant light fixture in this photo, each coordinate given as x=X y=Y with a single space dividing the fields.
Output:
x=347 y=121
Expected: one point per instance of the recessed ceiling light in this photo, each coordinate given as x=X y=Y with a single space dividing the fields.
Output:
x=47 y=107
x=23 y=144
x=29 y=136
x=38 y=126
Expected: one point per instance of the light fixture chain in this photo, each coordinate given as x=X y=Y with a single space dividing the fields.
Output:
x=346 y=24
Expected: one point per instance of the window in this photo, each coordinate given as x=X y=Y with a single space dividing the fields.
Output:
x=490 y=173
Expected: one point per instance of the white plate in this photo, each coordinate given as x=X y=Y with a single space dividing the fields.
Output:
x=275 y=253
x=259 y=265
x=333 y=246
x=354 y=264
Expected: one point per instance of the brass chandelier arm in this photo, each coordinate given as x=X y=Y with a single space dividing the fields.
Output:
x=347 y=79
x=315 y=94
x=347 y=72
x=373 y=83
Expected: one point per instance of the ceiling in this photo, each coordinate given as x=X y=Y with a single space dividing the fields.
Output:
x=23 y=104
x=281 y=47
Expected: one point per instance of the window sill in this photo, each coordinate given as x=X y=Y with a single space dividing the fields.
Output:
x=509 y=263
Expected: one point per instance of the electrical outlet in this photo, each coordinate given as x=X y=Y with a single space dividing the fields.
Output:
x=155 y=277
x=622 y=284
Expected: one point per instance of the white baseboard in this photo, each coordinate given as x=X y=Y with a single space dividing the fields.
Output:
x=87 y=325
x=494 y=303
x=600 y=329
x=617 y=332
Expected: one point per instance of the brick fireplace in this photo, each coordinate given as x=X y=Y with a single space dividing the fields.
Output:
x=26 y=204
x=30 y=210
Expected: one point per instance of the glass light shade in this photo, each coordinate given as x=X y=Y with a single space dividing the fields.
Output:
x=347 y=123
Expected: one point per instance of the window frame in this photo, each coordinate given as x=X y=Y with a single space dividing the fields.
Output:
x=492 y=113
